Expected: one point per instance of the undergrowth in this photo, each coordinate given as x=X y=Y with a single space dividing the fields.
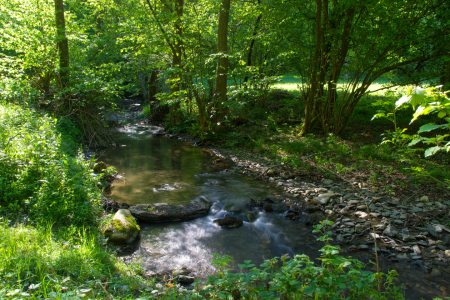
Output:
x=43 y=175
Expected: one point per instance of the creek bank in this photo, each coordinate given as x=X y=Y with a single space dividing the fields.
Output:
x=408 y=229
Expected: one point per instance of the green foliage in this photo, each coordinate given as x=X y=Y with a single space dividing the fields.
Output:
x=41 y=174
x=299 y=278
x=430 y=101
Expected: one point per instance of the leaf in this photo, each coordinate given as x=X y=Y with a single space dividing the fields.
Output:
x=402 y=101
x=414 y=142
x=442 y=114
x=428 y=128
x=432 y=151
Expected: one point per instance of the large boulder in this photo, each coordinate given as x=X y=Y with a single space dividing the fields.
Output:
x=123 y=228
x=162 y=212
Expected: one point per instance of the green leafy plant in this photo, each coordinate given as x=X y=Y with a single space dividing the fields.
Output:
x=336 y=277
x=430 y=101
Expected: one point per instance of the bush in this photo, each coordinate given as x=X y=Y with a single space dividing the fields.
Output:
x=41 y=176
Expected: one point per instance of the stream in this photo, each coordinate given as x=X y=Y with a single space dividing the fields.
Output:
x=156 y=169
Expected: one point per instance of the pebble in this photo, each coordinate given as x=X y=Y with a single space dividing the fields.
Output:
x=435 y=272
x=402 y=256
x=424 y=199
x=390 y=231
x=416 y=250
x=363 y=247
x=361 y=214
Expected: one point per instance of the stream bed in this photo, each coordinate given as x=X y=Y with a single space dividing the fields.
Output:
x=156 y=169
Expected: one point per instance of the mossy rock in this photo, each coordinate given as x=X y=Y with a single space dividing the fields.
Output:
x=123 y=228
x=99 y=167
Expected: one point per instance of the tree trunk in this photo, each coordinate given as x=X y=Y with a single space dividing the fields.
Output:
x=142 y=84
x=314 y=73
x=176 y=61
x=153 y=85
x=62 y=42
x=220 y=95
x=252 y=43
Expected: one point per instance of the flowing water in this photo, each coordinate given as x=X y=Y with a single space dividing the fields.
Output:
x=156 y=169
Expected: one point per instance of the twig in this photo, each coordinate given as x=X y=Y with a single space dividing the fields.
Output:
x=262 y=173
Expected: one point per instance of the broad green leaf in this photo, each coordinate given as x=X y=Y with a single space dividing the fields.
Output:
x=428 y=128
x=414 y=142
x=432 y=151
x=442 y=114
x=402 y=101
x=421 y=110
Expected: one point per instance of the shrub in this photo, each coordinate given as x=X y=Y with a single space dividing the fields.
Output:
x=41 y=175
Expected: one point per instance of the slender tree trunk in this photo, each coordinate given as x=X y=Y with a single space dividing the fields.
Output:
x=153 y=85
x=142 y=84
x=252 y=43
x=222 y=64
x=62 y=42
x=309 y=110
x=176 y=60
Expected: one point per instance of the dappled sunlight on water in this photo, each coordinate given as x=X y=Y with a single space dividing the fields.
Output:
x=158 y=169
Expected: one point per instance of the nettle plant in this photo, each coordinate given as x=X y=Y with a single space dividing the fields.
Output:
x=425 y=102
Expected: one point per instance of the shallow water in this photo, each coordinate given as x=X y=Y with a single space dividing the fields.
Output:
x=158 y=169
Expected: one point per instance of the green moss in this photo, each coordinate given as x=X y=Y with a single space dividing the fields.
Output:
x=132 y=221
x=118 y=226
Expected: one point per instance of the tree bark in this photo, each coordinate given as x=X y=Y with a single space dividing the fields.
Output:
x=153 y=85
x=220 y=94
x=62 y=42
x=314 y=72
x=252 y=43
x=176 y=60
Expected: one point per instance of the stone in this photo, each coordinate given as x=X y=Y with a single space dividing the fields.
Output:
x=431 y=229
x=361 y=214
x=353 y=202
x=268 y=207
x=99 y=167
x=328 y=182
x=270 y=172
x=229 y=222
x=363 y=247
x=376 y=199
x=402 y=256
x=386 y=213
x=360 y=227
x=323 y=199
x=162 y=212
x=407 y=238
x=340 y=238
x=424 y=199
x=435 y=272
x=122 y=229
x=416 y=250
x=447 y=253
x=390 y=231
